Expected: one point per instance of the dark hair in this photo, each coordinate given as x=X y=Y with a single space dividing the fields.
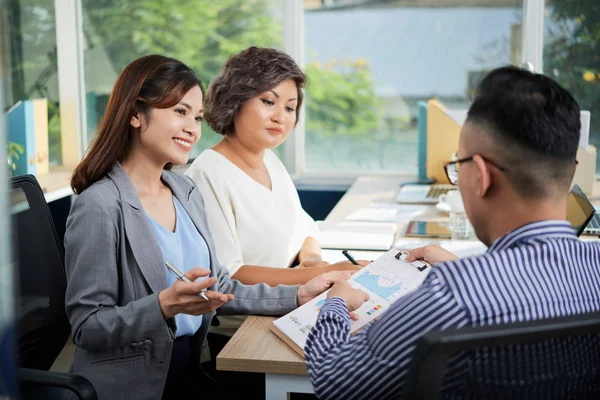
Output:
x=534 y=125
x=152 y=81
x=246 y=75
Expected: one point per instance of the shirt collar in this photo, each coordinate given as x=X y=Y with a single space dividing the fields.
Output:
x=537 y=230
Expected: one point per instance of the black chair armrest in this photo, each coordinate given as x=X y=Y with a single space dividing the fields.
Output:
x=77 y=384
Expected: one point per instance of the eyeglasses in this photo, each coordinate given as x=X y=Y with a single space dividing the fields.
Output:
x=452 y=168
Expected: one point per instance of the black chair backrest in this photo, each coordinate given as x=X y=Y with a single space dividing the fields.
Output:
x=42 y=324
x=554 y=358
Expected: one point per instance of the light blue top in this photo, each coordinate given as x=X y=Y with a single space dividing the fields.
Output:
x=186 y=249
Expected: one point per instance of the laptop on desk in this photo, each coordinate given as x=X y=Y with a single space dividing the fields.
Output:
x=581 y=213
x=412 y=193
x=593 y=227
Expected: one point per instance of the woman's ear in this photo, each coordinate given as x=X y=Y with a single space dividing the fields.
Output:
x=136 y=121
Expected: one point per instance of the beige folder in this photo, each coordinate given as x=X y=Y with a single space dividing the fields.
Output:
x=40 y=128
x=442 y=140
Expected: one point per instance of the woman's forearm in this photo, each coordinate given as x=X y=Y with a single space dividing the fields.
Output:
x=253 y=274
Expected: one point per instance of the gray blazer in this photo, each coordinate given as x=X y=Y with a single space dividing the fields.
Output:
x=115 y=270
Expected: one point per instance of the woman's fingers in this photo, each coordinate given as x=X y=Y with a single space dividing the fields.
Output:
x=186 y=288
x=216 y=296
x=196 y=273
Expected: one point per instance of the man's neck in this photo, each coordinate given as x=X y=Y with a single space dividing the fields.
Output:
x=513 y=215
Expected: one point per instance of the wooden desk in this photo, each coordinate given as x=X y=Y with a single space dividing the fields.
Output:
x=254 y=348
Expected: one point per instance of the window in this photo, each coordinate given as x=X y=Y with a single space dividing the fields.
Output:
x=369 y=63
x=571 y=55
x=201 y=33
x=31 y=87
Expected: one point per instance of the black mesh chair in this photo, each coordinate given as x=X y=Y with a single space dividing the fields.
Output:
x=42 y=324
x=555 y=358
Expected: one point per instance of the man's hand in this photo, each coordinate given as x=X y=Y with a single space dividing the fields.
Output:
x=430 y=254
x=319 y=284
x=354 y=298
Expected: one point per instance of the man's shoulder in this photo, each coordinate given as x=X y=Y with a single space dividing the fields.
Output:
x=472 y=269
x=532 y=253
x=467 y=263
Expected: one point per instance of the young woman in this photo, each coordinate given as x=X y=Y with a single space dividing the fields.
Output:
x=138 y=329
x=252 y=206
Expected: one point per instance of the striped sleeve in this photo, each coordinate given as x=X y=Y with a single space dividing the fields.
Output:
x=373 y=363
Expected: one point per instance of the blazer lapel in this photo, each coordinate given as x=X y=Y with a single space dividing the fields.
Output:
x=144 y=246
x=184 y=192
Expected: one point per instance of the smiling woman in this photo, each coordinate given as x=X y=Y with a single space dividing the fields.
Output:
x=151 y=84
x=172 y=131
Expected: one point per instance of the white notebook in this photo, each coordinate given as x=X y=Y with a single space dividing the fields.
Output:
x=385 y=280
x=357 y=235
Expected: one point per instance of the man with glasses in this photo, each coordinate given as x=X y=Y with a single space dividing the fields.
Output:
x=515 y=164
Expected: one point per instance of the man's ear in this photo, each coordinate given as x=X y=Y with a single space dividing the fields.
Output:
x=136 y=121
x=484 y=178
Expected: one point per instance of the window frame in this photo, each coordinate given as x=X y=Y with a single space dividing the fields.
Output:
x=71 y=82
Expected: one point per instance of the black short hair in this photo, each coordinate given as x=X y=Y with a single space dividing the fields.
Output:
x=534 y=124
x=248 y=74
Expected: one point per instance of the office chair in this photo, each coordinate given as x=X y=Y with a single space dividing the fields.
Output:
x=42 y=324
x=556 y=358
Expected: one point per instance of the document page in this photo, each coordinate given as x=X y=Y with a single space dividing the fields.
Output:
x=385 y=280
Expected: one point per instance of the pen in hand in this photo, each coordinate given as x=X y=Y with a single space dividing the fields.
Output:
x=349 y=257
x=184 y=278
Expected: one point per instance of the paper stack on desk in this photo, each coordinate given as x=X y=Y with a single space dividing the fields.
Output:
x=357 y=235
x=385 y=280
x=387 y=212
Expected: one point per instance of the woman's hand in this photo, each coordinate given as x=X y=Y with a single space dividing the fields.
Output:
x=313 y=264
x=182 y=297
x=354 y=298
x=319 y=284
x=338 y=266
x=348 y=266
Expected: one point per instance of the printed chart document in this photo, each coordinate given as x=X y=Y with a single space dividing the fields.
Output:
x=385 y=280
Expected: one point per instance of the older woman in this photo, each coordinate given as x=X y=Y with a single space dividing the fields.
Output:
x=252 y=206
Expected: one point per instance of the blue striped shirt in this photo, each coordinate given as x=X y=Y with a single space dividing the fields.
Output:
x=539 y=270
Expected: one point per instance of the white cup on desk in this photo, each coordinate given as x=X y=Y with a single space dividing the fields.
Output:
x=460 y=227
x=453 y=200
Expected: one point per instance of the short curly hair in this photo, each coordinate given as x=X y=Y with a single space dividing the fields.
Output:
x=246 y=75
